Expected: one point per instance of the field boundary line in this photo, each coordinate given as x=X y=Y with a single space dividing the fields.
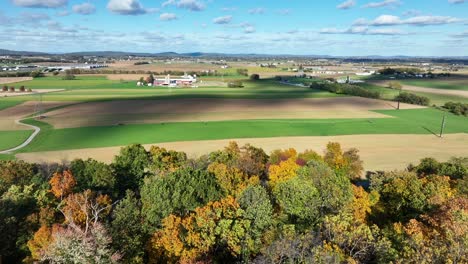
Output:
x=27 y=141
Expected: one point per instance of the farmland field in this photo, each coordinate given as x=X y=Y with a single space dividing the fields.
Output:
x=413 y=121
x=97 y=112
x=379 y=152
x=449 y=84
x=435 y=98
x=10 y=139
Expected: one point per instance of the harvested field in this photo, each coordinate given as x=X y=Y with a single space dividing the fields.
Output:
x=6 y=80
x=379 y=152
x=9 y=115
x=183 y=110
x=413 y=88
x=34 y=91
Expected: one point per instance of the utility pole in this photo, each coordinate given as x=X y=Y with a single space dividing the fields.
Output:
x=442 y=127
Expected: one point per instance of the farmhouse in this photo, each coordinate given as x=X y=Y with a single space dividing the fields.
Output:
x=185 y=80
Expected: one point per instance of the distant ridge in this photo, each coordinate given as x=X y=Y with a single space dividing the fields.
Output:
x=4 y=52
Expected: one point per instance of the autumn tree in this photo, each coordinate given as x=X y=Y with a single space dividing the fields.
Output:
x=70 y=245
x=437 y=237
x=209 y=231
x=348 y=163
x=356 y=241
x=41 y=240
x=282 y=172
x=15 y=173
x=82 y=210
x=362 y=203
x=249 y=159
x=278 y=155
x=62 y=184
x=231 y=179
x=162 y=160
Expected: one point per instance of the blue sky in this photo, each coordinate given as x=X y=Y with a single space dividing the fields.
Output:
x=303 y=27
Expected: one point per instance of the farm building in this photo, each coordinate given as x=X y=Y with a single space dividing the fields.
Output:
x=185 y=80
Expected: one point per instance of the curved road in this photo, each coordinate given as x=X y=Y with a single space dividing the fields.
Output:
x=25 y=143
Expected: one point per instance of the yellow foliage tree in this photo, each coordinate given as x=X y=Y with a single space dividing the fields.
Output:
x=362 y=203
x=282 y=172
x=233 y=180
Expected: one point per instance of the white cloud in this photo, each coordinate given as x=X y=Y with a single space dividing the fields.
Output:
x=228 y=9
x=431 y=20
x=192 y=5
x=63 y=13
x=389 y=20
x=284 y=12
x=382 y=4
x=167 y=17
x=386 y=20
x=256 y=11
x=456 y=1
x=84 y=9
x=461 y=35
x=347 y=4
x=249 y=29
x=223 y=20
x=40 y=3
x=360 y=30
x=126 y=7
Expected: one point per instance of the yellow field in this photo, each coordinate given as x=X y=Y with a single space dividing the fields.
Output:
x=379 y=152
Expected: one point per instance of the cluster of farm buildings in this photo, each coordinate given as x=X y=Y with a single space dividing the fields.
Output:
x=183 y=81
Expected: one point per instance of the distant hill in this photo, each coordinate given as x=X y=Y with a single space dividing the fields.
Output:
x=4 y=52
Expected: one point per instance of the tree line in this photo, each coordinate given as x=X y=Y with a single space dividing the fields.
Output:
x=235 y=205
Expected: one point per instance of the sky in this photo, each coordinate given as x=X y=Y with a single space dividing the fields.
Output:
x=296 y=27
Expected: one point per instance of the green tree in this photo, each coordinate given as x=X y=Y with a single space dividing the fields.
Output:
x=335 y=190
x=299 y=200
x=130 y=167
x=128 y=236
x=402 y=196
x=258 y=209
x=16 y=226
x=94 y=175
x=177 y=193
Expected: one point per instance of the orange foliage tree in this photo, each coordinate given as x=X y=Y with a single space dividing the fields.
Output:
x=41 y=239
x=61 y=184
x=194 y=238
x=84 y=209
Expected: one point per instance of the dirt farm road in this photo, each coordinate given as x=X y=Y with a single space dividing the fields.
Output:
x=28 y=140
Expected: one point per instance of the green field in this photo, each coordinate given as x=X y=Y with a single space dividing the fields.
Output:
x=417 y=121
x=99 y=88
x=7 y=157
x=440 y=84
x=436 y=99
x=4 y=104
x=11 y=139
